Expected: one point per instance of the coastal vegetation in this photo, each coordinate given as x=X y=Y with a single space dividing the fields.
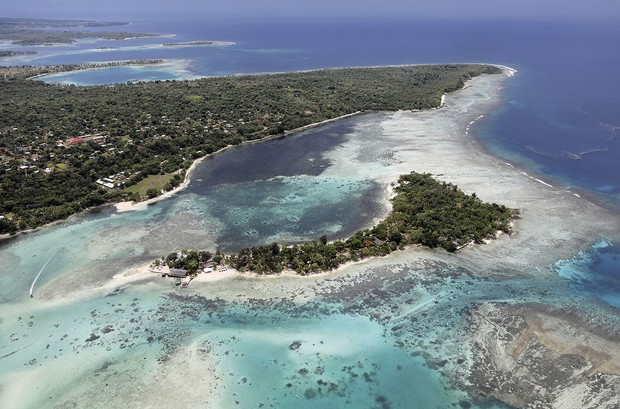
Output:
x=150 y=186
x=189 y=260
x=425 y=212
x=31 y=31
x=67 y=148
x=5 y=53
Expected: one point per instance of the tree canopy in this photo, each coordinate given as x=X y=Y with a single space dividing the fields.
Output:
x=58 y=143
x=425 y=212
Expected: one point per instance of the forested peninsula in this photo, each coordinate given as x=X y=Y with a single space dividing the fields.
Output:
x=32 y=31
x=67 y=148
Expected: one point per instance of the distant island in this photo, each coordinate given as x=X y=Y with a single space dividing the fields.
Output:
x=64 y=149
x=198 y=43
x=30 y=31
x=5 y=53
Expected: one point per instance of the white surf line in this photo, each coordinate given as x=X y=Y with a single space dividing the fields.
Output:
x=471 y=123
x=41 y=272
x=537 y=180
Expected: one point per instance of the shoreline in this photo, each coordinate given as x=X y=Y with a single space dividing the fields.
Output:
x=109 y=64
x=129 y=206
x=133 y=206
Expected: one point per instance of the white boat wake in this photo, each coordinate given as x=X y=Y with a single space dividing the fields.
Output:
x=40 y=272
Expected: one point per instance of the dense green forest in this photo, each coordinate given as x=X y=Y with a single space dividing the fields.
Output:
x=59 y=143
x=30 y=31
x=425 y=212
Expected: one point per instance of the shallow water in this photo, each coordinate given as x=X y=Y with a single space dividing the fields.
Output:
x=322 y=353
x=290 y=189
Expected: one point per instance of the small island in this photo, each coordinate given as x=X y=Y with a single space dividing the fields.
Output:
x=198 y=43
x=425 y=212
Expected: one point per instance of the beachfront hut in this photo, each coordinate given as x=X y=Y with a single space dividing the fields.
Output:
x=177 y=272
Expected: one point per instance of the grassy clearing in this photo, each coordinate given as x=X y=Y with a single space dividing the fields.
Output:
x=150 y=182
x=194 y=98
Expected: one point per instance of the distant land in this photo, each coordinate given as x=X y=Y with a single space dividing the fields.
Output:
x=4 y=53
x=198 y=43
x=29 y=32
x=64 y=148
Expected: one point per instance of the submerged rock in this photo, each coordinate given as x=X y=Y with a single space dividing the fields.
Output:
x=295 y=345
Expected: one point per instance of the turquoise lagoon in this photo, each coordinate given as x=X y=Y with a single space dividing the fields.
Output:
x=102 y=76
x=594 y=272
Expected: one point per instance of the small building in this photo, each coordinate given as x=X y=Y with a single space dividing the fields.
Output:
x=106 y=184
x=76 y=140
x=176 y=272
x=208 y=270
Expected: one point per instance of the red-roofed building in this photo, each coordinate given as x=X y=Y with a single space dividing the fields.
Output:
x=76 y=140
